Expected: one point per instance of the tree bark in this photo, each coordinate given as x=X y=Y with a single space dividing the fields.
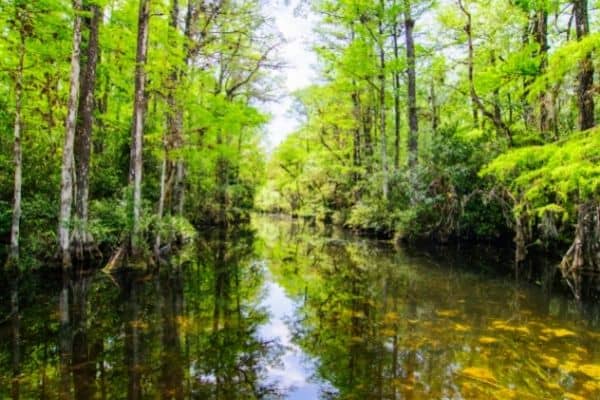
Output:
x=413 y=122
x=82 y=239
x=172 y=125
x=382 y=108
x=139 y=106
x=585 y=87
x=66 y=191
x=396 y=99
x=356 y=110
x=17 y=154
x=435 y=117
x=540 y=35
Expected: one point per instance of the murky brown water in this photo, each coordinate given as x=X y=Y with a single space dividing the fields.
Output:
x=283 y=310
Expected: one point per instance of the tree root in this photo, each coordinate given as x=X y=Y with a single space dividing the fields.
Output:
x=583 y=257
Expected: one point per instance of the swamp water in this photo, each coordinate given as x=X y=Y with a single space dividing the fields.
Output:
x=279 y=310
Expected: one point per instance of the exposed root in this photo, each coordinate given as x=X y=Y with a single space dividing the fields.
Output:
x=83 y=246
x=583 y=257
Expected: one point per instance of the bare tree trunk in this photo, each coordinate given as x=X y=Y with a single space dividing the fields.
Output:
x=357 y=130
x=413 y=122
x=172 y=126
x=585 y=88
x=435 y=118
x=139 y=106
x=66 y=186
x=179 y=200
x=541 y=38
x=396 y=99
x=382 y=109
x=179 y=190
x=17 y=155
x=82 y=239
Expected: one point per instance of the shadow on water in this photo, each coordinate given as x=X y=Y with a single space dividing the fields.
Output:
x=283 y=310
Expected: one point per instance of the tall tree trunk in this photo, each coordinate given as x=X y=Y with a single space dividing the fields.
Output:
x=435 y=117
x=396 y=98
x=191 y=21
x=172 y=124
x=413 y=122
x=357 y=114
x=357 y=129
x=17 y=155
x=66 y=186
x=496 y=92
x=541 y=38
x=585 y=87
x=139 y=106
x=82 y=239
x=382 y=108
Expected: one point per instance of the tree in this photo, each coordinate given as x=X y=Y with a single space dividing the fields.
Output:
x=585 y=91
x=66 y=186
x=139 y=105
x=413 y=122
x=82 y=239
x=21 y=18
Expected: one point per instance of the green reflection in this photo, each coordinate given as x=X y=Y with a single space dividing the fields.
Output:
x=385 y=324
x=186 y=332
x=373 y=322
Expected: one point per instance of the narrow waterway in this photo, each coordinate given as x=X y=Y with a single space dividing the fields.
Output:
x=280 y=309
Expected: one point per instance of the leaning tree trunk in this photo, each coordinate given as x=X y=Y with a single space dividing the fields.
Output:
x=582 y=260
x=82 y=239
x=139 y=105
x=585 y=87
x=18 y=157
x=66 y=186
x=413 y=122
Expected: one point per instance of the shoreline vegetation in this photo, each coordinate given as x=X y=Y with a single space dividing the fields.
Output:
x=127 y=126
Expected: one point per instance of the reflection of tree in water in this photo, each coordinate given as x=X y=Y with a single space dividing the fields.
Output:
x=383 y=324
x=233 y=361
x=188 y=331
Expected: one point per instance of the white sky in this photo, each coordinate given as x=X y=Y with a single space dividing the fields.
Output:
x=297 y=31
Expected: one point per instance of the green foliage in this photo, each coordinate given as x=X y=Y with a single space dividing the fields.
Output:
x=554 y=178
x=221 y=125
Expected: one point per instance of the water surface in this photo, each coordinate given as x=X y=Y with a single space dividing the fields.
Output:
x=283 y=310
